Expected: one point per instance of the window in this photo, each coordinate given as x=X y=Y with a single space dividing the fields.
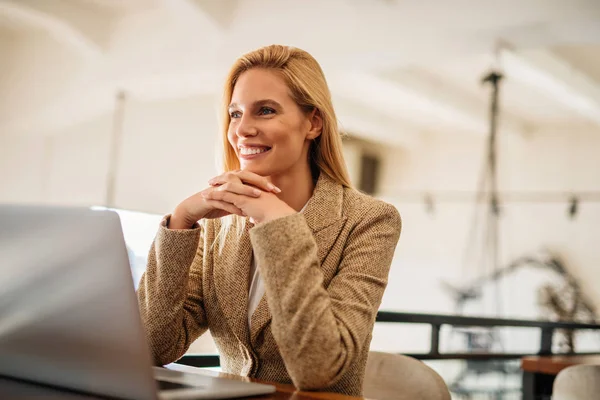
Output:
x=139 y=230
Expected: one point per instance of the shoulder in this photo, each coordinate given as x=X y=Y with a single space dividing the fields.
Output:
x=358 y=206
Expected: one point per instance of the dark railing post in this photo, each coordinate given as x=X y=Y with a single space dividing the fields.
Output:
x=435 y=339
x=546 y=341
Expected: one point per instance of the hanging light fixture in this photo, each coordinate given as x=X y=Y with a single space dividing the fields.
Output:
x=573 y=207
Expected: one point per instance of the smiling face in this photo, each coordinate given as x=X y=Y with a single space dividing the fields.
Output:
x=270 y=133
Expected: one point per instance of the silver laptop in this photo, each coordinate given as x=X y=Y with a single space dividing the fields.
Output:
x=69 y=314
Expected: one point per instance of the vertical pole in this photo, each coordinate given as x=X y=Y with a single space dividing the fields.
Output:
x=546 y=341
x=494 y=212
x=115 y=149
x=435 y=339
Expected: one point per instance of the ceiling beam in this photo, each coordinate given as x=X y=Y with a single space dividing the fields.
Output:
x=364 y=122
x=100 y=98
x=421 y=102
x=64 y=23
x=172 y=85
x=223 y=12
x=192 y=16
x=554 y=77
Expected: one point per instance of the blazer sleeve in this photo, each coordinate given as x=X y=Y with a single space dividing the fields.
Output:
x=321 y=331
x=170 y=292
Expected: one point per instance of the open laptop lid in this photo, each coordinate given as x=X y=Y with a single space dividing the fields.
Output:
x=68 y=313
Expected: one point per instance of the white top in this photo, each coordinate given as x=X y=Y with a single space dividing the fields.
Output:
x=257 y=286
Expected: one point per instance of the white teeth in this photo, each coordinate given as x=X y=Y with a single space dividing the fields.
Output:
x=252 y=150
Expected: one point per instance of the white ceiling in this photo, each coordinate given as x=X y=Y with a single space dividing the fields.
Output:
x=392 y=65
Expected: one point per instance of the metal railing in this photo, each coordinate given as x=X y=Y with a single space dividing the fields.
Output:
x=547 y=330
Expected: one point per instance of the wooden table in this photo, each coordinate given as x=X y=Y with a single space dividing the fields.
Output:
x=539 y=372
x=20 y=390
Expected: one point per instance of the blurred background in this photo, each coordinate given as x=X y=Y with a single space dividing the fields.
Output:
x=113 y=103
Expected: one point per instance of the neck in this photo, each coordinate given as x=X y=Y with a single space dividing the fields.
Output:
x=296 y=186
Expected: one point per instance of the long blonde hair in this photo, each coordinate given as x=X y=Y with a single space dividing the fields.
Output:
x=308 y=87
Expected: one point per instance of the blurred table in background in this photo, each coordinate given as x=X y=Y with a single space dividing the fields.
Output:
x=539 y=372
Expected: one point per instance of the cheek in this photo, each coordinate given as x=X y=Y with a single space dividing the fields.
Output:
x=288 y=134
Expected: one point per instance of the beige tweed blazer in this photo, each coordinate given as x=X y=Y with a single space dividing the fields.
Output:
x=324 y=270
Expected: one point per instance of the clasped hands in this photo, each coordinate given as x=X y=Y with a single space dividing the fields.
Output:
x=236 y=192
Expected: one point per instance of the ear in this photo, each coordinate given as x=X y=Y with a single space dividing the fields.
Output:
x=316 y=124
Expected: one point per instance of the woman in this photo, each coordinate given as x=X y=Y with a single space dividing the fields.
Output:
x=278 y=257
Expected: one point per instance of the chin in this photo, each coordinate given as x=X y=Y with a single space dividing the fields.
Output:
x=257 y=168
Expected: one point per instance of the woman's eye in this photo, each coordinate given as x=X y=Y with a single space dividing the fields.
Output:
x=266 y=111
x=235 y=114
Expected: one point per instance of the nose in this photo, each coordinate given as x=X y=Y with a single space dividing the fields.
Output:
x=246 y=127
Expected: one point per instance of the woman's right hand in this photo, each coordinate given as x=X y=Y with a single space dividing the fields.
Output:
x=196 y=207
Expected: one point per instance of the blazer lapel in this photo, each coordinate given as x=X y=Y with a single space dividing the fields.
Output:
x=323 y=214
x=325 y=206
x=232 y=277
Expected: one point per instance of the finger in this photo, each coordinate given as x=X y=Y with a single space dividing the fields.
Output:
x=228 y=197
x=241 y=189
x=258 y=181
x=230 y=176
x=246 y=177
x=222 y=205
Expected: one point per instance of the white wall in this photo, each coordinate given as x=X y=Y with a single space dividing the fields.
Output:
x=170 y=150
x=40 y=169
x=167 y=153
x=433 y=246
x=37 y=73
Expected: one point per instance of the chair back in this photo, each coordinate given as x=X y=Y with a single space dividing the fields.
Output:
x=394 y=376
x=578 y=382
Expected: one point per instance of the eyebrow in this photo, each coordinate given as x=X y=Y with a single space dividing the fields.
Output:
x=259 y=103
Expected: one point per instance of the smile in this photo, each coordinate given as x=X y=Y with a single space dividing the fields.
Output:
x=249 y=153
x=253 y=150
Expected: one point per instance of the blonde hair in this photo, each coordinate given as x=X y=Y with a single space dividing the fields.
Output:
x=305 y=79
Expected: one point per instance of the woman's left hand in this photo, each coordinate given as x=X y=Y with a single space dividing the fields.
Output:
x=263 y=208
